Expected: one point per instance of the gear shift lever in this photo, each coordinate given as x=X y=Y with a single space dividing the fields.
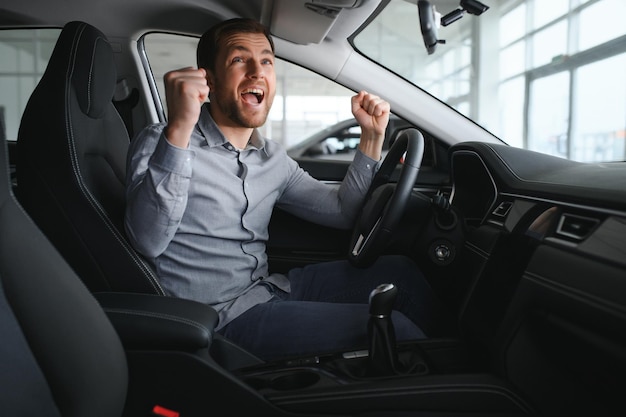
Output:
x=383 y=356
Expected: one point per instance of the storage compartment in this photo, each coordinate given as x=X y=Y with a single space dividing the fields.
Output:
x=563 y=341
x=290 y=380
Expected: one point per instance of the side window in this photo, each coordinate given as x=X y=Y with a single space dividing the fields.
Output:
x=310 y=115
x=25 y=54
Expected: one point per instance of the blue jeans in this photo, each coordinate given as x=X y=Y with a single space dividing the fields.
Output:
x=327 y=309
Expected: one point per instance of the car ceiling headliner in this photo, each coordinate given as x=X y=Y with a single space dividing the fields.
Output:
x=180 y=16
x=186 y=16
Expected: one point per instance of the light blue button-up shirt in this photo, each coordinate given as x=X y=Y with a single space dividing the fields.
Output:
x=200 y=215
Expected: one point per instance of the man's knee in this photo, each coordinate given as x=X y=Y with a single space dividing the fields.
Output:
x=404 y=328
x=397 y=263
x=399 y=269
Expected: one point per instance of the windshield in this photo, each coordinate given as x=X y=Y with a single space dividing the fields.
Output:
x=544 y=75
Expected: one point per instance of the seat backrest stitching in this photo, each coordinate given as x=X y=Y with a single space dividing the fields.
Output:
x=76 y=169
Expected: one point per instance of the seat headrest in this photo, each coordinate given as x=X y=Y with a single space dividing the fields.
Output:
x=84 y=54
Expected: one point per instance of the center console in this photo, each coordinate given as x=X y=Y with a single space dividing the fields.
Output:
x=431 y=374
x=177 y=361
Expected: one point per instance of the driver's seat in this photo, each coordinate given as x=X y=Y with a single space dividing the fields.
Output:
x=71 y=169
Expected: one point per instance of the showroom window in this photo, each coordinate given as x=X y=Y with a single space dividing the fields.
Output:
x=25 y=54
x=570 y=75
x=518 y=61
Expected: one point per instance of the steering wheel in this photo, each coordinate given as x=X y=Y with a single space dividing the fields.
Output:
x=385 y=203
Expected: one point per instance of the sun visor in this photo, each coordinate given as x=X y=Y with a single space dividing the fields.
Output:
x=306 y=21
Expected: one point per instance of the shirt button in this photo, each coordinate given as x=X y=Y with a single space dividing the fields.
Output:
x=368 y=166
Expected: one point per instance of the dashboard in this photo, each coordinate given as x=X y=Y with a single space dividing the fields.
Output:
x=568 y=204
x=545 y=247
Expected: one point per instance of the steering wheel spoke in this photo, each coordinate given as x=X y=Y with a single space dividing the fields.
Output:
x=362 y=240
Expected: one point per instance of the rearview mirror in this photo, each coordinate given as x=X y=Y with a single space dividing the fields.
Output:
x=429 y=24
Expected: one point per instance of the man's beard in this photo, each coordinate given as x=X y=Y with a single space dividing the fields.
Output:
x=237 y=116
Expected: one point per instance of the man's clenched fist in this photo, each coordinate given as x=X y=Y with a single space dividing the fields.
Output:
x=186 y=90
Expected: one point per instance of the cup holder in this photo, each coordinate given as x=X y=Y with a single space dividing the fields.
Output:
x=286 y=382
x=294 y=380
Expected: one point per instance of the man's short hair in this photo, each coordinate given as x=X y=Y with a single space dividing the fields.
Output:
x=211 y=40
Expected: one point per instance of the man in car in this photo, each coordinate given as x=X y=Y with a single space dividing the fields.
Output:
x=201 y=190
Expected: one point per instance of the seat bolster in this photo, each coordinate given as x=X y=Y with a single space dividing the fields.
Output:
x=93 y=79
x=29 y=394
x=146 y=321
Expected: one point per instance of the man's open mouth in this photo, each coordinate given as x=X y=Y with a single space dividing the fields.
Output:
x=253 y=95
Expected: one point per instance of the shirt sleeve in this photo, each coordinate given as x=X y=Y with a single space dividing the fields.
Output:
x=157 y=182
x=328 y=204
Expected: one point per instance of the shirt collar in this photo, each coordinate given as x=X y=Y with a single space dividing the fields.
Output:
x=214 y=136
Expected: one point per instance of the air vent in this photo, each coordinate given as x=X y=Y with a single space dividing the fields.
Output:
x=575 y=227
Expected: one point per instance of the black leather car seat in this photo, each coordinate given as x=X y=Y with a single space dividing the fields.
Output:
x=59 y=354
x=72 y=147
